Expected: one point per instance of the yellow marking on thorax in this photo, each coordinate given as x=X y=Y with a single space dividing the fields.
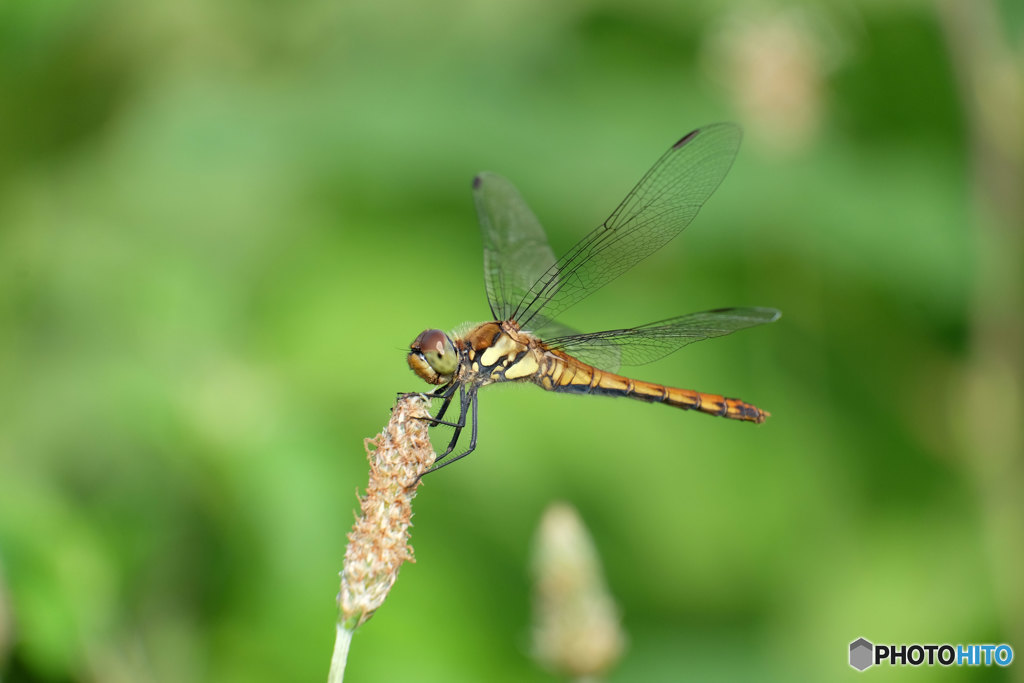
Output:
x=526 y=366
x=551 y=368
x=504 y=346
x=554 y=376
x=579 y=374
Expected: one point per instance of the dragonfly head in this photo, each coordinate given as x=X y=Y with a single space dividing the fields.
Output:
x=432 y=356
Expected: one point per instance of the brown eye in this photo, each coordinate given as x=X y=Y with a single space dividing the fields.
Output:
x=430 y=340
x=437 y=349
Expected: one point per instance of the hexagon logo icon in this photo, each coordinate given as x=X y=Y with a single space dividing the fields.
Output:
x=861 y=651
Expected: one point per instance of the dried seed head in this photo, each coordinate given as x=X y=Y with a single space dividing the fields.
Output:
x=576 y=630
x=379 y=541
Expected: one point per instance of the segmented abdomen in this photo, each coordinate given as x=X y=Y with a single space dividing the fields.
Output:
x=563 y=373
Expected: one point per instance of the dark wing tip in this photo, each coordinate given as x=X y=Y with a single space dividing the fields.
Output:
x=686 y=138
x=723 y=126
x=478 y=179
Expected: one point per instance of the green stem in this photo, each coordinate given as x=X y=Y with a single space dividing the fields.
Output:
x=342 y=640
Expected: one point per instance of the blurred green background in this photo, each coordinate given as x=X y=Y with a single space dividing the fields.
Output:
x=222 y=223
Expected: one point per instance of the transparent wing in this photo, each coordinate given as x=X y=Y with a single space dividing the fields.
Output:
x=516 y=250
x=661 y=205
x=647 y=343
x=600 y=352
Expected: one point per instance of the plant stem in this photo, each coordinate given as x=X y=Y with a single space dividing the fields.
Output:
x=342 y=640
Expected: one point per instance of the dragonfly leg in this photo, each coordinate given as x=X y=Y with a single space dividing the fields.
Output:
x=436 y=420
x=446 y=392
x=464 y=400
x=442 y=391
x=472 y=443
x=438 y=464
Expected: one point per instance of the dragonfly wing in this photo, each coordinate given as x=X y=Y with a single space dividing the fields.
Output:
x=516 y=250
x=661 y=205
x=548 y=329
x=647 y=343
x=598 y=352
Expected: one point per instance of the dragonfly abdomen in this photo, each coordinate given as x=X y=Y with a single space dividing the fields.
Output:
x=568 y=375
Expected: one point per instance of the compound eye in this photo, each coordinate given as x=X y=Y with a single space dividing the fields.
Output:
x=430 y=340
x=438 y=350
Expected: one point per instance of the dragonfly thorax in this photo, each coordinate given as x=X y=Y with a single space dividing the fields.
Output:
x=432 y=356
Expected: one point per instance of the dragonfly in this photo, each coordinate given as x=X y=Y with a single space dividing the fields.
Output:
x=528 y=288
